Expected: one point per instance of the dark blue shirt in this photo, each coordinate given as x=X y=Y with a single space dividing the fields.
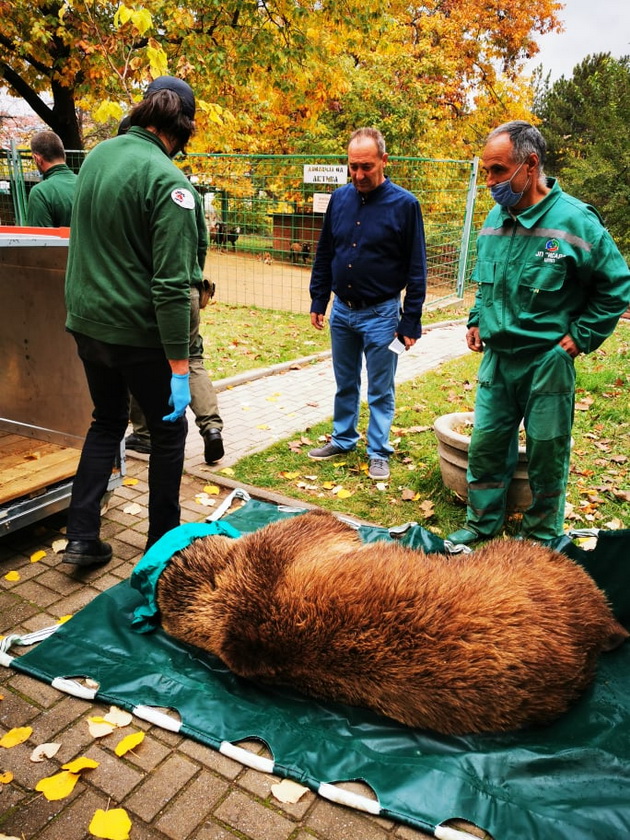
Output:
x=371 y=248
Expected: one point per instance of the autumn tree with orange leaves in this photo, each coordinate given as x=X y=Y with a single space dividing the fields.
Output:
x=279 y=75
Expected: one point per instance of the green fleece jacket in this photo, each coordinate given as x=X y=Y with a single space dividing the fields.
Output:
x=552 y=271
x=50 y=201
x=133 y=247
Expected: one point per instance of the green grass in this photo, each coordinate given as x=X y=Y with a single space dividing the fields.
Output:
x=599 y=484
x=241 y=338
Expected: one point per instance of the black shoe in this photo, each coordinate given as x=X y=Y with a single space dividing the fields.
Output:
x=213 y=446
x=138 y=444
x=87 y=553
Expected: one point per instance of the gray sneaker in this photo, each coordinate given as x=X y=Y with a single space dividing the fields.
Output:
x=379 y=469
x=325 y=452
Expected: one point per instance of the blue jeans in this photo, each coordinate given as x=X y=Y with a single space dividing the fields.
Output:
x=355 y=333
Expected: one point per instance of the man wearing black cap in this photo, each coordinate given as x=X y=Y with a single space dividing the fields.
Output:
x=132 y=256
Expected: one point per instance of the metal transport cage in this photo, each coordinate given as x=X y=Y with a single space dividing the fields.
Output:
x=45 y=406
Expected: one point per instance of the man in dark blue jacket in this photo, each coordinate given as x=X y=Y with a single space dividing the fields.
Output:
x=371 y=248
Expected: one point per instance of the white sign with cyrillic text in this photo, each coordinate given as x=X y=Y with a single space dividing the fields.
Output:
x=324 y=174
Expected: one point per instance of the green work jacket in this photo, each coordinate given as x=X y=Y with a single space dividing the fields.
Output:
x=134 y=247
x=552 y=270
x=50 y=201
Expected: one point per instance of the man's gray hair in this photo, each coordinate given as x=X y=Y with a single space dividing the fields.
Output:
x=373 y=134
x=526 y=140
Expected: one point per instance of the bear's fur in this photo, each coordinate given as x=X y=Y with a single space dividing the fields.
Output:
x=499 y=639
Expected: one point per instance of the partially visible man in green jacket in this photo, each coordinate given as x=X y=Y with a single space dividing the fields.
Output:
x=551 y=285
x=132 y=257
x=50 y=201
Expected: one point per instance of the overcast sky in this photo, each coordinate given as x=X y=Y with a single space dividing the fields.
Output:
x=590 y=26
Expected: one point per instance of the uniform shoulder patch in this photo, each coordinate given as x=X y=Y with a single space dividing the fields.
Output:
x=184 y=198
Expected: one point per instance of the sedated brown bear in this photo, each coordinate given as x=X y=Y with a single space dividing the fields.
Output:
x=502 y=638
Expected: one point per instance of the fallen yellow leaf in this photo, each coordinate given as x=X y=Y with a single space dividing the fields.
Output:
x=12 y=576
x=110 y=825
x=129 y=742
x=343 y=494
x=39 y=555
x=58 y=786
x=63 y=619
x=16 y=736
x=211 y=489
x=227 y=471
x=99 y=727
x=289 y=475
x=78 y=764
x=118 y=716
x=263 y=426
x=6 y=778
x=328 y=485
x=130 y=482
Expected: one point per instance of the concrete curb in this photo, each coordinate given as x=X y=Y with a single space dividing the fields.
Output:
x=260 y=373
x=294 y=364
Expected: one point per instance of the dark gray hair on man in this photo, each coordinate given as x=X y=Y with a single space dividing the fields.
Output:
x=373 y=134
x=526 y=140
x=48 y=145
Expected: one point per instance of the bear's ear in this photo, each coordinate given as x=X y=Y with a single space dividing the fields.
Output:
x=617 y=636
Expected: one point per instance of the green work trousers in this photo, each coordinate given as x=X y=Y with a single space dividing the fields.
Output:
x=203 y=403
x=540 y=390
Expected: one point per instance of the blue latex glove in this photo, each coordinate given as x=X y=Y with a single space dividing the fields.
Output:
x=180 y=396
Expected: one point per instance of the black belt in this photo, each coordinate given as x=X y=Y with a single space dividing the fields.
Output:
x=364 y=304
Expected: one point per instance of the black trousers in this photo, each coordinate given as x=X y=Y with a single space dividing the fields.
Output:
x=114 y=371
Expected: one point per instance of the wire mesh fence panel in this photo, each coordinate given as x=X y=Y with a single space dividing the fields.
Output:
x=11 y=189
x=7 y=216
x=264 y=215
x=18 y=176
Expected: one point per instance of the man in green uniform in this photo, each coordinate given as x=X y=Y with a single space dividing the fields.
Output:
x=551 y=285
x=50 y=201
x=204 y=402
x=131 y=261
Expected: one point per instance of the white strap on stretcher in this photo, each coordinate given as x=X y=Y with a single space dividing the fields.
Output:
x=29 y=639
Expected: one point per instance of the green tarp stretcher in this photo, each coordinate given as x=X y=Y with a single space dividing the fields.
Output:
x=568 y=781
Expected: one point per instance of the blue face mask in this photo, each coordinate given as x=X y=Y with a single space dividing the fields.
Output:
x=503 y=193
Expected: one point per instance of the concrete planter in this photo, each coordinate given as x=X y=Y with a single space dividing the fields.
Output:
x=453 y=453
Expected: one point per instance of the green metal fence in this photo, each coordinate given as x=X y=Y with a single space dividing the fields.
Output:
x=264 y=214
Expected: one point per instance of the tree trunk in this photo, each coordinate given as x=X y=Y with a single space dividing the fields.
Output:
x=61 y=117
x=64 y=120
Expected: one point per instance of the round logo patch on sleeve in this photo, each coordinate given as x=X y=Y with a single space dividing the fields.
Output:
x=184 y=198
